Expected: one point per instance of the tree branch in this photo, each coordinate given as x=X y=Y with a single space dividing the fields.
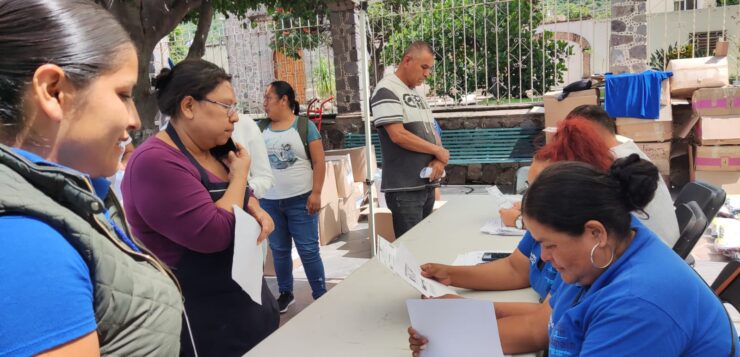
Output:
x=173 y=15
x=205 y=17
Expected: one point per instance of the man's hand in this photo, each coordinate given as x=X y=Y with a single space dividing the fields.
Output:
x=438 y=169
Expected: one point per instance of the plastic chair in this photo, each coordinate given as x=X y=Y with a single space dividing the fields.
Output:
x=521 y=179
x=709 y=197
x=726 y=286
x=691 y=223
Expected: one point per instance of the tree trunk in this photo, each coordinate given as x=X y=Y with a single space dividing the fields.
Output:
x=147 y=22
x=205 y=18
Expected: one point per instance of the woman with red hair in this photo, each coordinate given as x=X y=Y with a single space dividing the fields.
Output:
x=575 y=140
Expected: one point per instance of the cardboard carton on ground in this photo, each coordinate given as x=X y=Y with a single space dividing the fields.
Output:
x=728 y=181
x=329 y=224
x=718 y=131
x=648 y=130
x=711 y=102
x=358 y=157
x=556 y=111
x=718 y=158
x=659 y=154
x=690 y=74
x=342 y=168
x=384 y=221
x=349 y=211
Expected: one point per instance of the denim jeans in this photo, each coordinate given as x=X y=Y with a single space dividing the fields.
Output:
x=293 y=221
x=409 y=208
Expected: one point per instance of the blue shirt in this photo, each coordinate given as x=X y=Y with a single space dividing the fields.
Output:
x=635 y=95
x=649 y=302
x=46 y=293
x=541 y=274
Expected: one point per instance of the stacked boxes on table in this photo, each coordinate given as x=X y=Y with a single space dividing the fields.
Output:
x=329 y=222
x=718 y=136
x=349 y=211
x=556 y=110
x=653 y=136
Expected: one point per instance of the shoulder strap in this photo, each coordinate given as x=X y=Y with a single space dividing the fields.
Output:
x=262 y=124
x=303 y=132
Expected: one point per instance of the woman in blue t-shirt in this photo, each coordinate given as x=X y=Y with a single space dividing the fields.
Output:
x=296 y=157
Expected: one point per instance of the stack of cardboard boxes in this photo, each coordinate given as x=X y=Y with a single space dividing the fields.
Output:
x=556 y=110
x=718 y=137
x=653 y=136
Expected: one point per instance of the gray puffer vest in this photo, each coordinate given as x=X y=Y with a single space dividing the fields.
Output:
x=138 y=305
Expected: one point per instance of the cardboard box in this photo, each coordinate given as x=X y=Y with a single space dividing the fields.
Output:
x=349 y=211
x=359 y=158
x=718 y=158
x=269 y=268
x=647 y=130
x=728 y=181
x=659 y=154
x=329 y=224
x=690 y=74
x=342 y=168
x=716 y=101
x=556 y=111
x=384 y=221
x=549 y=133
x=718 y=131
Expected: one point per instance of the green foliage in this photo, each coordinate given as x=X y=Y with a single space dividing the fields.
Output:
x=727 y=2
x=178 y=47
x=660 y=58
x=295 y=33
x=468 y=55
x=323 y=75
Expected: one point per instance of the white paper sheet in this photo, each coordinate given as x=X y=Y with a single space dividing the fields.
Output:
x=456 y=327
x=248 y=265
x=402 y=262
x=496 y=227
x=499 y=199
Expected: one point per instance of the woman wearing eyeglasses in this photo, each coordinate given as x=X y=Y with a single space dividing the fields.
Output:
x=179 y=191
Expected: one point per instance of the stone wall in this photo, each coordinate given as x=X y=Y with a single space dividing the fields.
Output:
x=249 y=48
x=503 y=175
x=628 y=42
x=345 y=42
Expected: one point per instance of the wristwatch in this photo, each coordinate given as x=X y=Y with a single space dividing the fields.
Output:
x=519 y=223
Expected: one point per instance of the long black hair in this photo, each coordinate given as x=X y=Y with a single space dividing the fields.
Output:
x=568 y=194
x=79 y=36
x=283 y=89
x=195 y=78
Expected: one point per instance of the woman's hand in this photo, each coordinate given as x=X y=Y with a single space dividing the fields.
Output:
x=438 y=272
x=313 y=204
x=509 y=216
x=238 y=163
x=417 y=342
x=265 y=221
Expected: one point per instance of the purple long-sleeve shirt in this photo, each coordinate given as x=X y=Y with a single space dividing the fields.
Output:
x=168 y=208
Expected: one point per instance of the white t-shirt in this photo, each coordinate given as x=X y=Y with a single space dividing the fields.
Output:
x=247 y=133
x=288 y=160
x=662 y=214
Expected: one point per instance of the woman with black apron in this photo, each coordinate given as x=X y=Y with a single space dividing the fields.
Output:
x=220 y=317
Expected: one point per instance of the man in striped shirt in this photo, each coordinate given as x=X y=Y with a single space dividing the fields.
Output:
x=408 y=140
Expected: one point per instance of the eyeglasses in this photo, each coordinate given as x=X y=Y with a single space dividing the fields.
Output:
x=230 y=109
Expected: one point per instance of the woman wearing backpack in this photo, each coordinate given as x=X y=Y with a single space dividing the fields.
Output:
x=296 y=157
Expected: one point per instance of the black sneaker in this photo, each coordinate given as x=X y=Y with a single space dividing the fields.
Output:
x=285 y=300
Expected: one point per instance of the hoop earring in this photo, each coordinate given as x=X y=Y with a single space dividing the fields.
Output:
x=594 y=263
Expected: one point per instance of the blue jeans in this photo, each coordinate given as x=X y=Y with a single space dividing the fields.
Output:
x=292 y=220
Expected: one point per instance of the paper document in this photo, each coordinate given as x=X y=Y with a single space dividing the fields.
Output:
x=402 y=262
x=248 y=265
x=499 y=199
x=456 y=327
x=496 y=227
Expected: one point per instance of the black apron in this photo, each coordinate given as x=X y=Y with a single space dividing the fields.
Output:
x=223 y=319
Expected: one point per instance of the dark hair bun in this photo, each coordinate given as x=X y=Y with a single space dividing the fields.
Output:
x=162 y=79
x=638 y=179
